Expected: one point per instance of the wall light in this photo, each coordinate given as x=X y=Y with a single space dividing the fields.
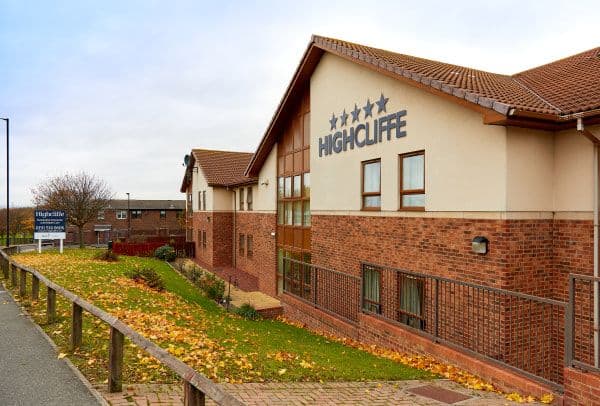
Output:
x=479 y=245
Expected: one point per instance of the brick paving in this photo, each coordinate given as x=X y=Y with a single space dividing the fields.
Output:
x=304 y=393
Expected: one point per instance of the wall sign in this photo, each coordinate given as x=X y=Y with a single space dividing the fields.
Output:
x=366 y=133
x=50 y=225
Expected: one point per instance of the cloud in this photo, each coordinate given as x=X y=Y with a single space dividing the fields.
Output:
x=125 y=90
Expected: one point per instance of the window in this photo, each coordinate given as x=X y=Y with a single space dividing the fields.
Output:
x=280 y=188
x=136 y=214
x=297 y=186
x=371 y=185
x=249 y=198
x=306 y=214
x=200 y=201
x=204 y=199
x=242 y=244
x=199 y=239
x=203 y=239
x=101 y=215
x=298 y=278
x=412 y=181
x=287 y=192
x=121 y=214
x=163 y=214
x=371 y=284
x=306 y=185
x=249 y=245
x=410 y=310
x=241 y=192
x=297 y=212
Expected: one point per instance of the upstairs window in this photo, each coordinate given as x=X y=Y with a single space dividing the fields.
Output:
x=249 y=198
x=136 y=214
x=412 y=181
x=371 y=185
x=200 y=201
x=241 y=192
x=121 y=214
x=204 y=199
x=101 y=215
x=163 y=214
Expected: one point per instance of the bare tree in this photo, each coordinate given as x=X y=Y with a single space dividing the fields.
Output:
x=80 y=195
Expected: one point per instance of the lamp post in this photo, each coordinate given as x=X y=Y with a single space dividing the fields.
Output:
x=128 y=218
x=7 y=185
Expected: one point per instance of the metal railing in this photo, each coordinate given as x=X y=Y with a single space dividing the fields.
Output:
x=196 y=385
x=520 y=331
x=580 y=350
x=321 y=287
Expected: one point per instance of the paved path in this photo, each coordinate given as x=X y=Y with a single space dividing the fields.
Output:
x=337 y=393
x=30 y=372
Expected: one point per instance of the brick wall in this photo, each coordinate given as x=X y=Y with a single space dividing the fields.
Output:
x=204 y=255
x=263 y=262
x=222 y=244
x=581 y=388
x=150 y=223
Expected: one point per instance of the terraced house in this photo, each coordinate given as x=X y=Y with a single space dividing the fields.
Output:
x=422 y=206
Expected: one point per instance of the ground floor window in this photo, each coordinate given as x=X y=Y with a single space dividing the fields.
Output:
x=294 y=277
x=410 y=293
x=242 y=244
x=371 y=287
x=203 y=239
x=249 y=245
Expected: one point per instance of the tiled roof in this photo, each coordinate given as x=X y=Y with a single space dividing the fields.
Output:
x=568 y=86
x=135 y=204
x=223 y=168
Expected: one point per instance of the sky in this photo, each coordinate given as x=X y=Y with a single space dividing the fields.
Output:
x=124 y=89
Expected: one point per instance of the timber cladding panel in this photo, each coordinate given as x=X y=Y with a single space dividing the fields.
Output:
x=262 y=262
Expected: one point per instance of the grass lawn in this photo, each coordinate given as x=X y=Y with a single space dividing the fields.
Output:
x=199 y=332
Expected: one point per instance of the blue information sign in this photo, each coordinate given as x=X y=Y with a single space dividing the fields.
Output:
x=50 y=224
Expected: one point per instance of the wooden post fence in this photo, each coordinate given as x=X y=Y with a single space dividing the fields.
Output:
x=5 y=269
x=35 y=288
x=23 y=283
x=51 y=305
x=196 y=385
x=13 y=275
x=115 y=361
x=76 y=326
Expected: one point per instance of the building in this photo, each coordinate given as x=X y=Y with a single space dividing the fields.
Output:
x=406 y=202
x=144 y=218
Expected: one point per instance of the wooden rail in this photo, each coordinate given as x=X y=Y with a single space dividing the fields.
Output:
x=196 y=385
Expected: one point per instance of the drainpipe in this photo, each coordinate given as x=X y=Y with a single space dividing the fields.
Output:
x=596 y=141
x=233 y=237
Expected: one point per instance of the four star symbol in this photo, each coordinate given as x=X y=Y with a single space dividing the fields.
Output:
x=381 y=103
x=344 y=118
x=355 y=113
x=333 y=121
x=368 y=108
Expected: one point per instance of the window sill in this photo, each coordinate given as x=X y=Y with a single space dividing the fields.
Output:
x=411 y=209
x=371 y=209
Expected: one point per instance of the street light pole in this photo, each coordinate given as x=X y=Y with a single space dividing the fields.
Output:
x=128 y=218
x=7 y=184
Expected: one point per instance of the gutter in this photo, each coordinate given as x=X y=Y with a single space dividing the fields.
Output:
x=596 y=140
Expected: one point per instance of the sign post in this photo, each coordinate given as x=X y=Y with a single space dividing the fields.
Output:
x=50 y=225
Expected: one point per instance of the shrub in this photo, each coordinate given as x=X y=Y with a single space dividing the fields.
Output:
x=148 y=277
x=212 y=286
x=248 y=312
x=106 y=255
x=166 y=253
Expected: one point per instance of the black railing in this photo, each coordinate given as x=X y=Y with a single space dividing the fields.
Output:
x=521 y=331
x=580 y=350
x=332 y=291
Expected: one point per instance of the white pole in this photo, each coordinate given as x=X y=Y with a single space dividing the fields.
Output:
x=39 y=245
x=61 y=245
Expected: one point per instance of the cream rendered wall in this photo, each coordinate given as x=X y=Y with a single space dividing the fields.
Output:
x=573 y=171
x=530 y=170
x=465 y=161
x=217 y=198
x=265 y=196
x=199 y=184
x=222 y=199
